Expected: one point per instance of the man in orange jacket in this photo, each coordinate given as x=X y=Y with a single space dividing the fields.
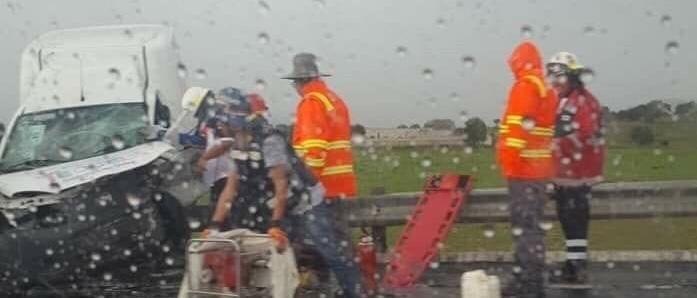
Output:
x=322 y=138
x=524 y=152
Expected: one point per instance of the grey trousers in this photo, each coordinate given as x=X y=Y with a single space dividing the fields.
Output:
x=528 y=199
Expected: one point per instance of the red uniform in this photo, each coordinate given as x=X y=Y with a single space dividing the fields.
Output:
x=579 y=145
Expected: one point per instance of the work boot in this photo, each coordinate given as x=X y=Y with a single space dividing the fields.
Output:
x=572 y=272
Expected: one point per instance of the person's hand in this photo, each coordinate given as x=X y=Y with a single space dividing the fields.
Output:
x=213 y=231
x=279 y=237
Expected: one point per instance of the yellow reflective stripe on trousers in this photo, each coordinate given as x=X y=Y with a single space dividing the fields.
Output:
x=335 y=170
x=322 y=98
x=339 y=145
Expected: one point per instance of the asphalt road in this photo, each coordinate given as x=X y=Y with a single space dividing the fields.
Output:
x=610 y=280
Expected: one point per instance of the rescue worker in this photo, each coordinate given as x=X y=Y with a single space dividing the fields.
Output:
x=267 y=171
x=215 y=170
x=579 y=155
x=322 y=138
x=523 y=151
x=258 y=106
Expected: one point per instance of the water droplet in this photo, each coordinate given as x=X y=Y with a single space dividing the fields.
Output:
x=526 y=31
x=427 y=73
x=165 y=248
x=134 y=268
x=517 y=269
x=200 y=74
x=657 y=152
x=636 y=267
x=127 y=252
x=49 y=252
x=489 y=233
x=260 y=84
x=96 y=257
x=133 y=200
x=426 y=163
x=107 y=276
x=434 y=265
x=414 y=154
x=456 y=160
x=118 y=142
x=401 y=51
x=157 y=197
x=454 y=96
x=528 y=124
x=588 y=30
x=182 y=71
x=263 y=38
x=357 y=139
x=320 y=3
x=671 y=158
x=672 y=47
x=114 y=74
x=81 y=217
x=264 y=7
x=252 y=209
x=469 y=62
x=65 y=152
x=517 y=231
x=666 y=20
x=468 y=150
x=546 y=226
x=194 y=224
x=441 y=23
x=587 y=76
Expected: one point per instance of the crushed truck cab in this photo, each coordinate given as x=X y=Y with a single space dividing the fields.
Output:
x=84 y=168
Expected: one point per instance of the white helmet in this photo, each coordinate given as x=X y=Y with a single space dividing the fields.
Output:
x=566 y=59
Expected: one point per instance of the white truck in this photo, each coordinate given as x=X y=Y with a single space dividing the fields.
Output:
x=82 y=170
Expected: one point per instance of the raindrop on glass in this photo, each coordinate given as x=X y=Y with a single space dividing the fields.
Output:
x=65 y=152
x=264 y=7
x=107 y=276
x=133 y=200
x=434 y=265
x=427 y=73
x=134 y=268
x=666 y=20
x=260 y=84
x=96 y=257
x=49 y=252
x=526 y=31
x=263 y=38
x=118 y=142
x=517 y=231
x=426 y=163
x=546 y=226
x=194 y=224
x=587 y=76
x=672 y=47
x=182 y=71
x=528 y=124
x=489 y=233
x=401 y=51
x=469 y=62
x=114 y=74
x=201 y=74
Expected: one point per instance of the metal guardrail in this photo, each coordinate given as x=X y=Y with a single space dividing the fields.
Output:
x=608 y=201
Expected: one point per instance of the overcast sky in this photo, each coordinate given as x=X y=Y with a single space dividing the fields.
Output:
x=378 y=49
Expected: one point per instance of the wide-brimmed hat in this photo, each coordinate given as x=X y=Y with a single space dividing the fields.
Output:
x=305 y=67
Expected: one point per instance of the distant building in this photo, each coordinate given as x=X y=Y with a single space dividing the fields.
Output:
x=411 y=137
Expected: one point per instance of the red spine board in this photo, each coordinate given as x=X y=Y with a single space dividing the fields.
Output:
x=428 y=225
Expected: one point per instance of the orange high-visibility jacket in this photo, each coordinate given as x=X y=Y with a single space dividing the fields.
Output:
x=526 y=128
x=322 y=137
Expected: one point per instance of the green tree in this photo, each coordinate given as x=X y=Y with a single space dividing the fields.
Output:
x=476 y=131
x=415 y=126
x=402 y=126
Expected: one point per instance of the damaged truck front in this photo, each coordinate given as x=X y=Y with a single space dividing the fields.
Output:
x=86 y=180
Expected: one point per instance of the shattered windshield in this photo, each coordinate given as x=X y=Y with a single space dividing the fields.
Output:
x=58 y=136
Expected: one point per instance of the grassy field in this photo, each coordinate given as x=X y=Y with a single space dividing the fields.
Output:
x=403 y=170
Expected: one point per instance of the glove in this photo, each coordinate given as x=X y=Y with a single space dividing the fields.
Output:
x=279 y=237
x=213 y=231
